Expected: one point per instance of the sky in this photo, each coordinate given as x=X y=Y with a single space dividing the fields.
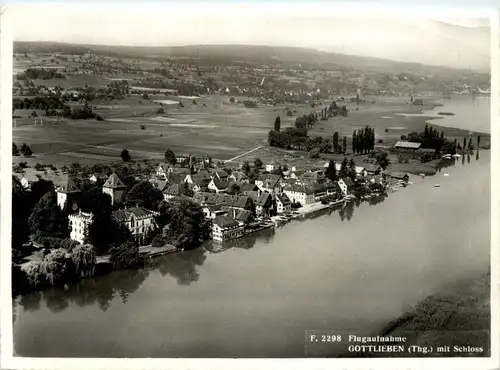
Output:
x=398 y=36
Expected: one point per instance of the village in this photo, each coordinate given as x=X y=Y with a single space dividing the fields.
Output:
x=234 y=203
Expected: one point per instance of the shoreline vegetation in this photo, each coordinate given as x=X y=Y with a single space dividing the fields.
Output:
x=457 y=315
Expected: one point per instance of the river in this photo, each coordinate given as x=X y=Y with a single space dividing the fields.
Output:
x=349 y=271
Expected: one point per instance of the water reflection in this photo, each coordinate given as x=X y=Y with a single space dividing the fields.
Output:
x=477 y=155
x=463 y=160
x=468 y=158
x=87 y=292
x=181 y=266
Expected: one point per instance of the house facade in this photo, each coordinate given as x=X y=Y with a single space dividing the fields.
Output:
x=346 y=185
x=138 y=220
x=67 y=191
x=218 y=185
x=225 y=228
x=302 y=194
x=79 y=224
x=283 y=204
x=115 y=188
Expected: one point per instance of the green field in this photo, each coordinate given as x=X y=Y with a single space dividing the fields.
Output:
x=213 y=126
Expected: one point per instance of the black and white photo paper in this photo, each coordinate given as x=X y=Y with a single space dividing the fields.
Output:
x=238 y=185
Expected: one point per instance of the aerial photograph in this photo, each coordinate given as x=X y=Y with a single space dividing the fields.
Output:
x=253 y=186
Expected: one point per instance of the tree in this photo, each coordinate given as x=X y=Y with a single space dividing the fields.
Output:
x=47 y=218
x=20 y=226
x=231 y=99
x=26 y=150
x=185 y=222
x=105 y=232
x=55 y=266
x=470 y=144
x=143 y=194
x=246 y=168
x=277 y=124
x=382 y=159
x=125 y=256
x=335 y=142
x=84 y=259
x=258 y=163
x=352 y=169
x=465 y=143
x=15 y=150
x=331 y=172
x=344 y=145
x=125 y=155
x=233 y=188
x=478 y=140
x=344 y=168
x=170 y=157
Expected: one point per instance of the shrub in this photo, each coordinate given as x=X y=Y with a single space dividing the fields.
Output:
x=23 y=165
x=39 y=167
x=125 y=256
x=143 y=127
x=380 y=141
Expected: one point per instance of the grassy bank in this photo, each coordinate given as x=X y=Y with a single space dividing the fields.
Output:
x=458 y=316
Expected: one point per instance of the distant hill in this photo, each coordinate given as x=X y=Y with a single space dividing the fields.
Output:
x=256 y=54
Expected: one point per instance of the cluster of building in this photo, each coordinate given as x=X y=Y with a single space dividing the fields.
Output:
x=231 y=202
x=138 y=220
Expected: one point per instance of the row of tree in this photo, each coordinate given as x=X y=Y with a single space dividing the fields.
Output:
x=25 y=150
x=363 y=140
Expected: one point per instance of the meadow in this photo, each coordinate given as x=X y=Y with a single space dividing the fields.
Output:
x=213 y=126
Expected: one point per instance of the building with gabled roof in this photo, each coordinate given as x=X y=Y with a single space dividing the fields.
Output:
x=67 y=190
x=138 y=220
x=283 y=203
x=303 y=194
x=225 y=228
x=115 y=188
x=263 y=202
x=218 y=185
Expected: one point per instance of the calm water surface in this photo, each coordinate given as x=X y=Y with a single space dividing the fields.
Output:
x=350 y=270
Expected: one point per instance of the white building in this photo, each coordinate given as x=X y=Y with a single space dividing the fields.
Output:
x=283 y=204
x=67 y=191
x=79 y=224
x=300 y=194
x=138 y=220
x=272 y=166
x=115 y=188
x=224 y=228
x=346 y=185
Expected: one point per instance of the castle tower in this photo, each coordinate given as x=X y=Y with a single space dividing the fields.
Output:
x=115 y=188
x=67 y=191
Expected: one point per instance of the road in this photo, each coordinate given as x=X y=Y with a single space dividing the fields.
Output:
x=241 y=155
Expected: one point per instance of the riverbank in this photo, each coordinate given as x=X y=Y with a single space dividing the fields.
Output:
x=458 y=317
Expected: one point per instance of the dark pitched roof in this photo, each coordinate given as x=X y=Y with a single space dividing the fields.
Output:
x=126 y=214
x=259 y=198
x=182 y=170
x=114 y=182
x=68 y=186
x=225 y=221
x=176 y=190
x=283 y=198
x=237 y=201
x=348 y=181
x=200 y=180
x=220 y=184
x=300 y=189
x=221 y=173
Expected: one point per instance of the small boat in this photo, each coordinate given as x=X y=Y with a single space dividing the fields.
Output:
x=446 y=174
x=422 y=175
x=456 y=155
x=437 y=185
